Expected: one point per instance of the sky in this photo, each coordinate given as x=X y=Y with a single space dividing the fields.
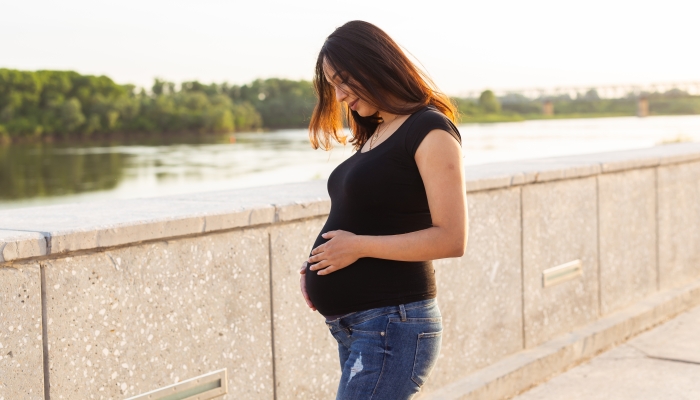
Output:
x=464 y=46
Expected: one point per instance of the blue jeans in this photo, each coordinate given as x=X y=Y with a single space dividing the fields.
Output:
x=387 y=352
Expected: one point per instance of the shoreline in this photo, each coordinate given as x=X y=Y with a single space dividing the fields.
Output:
x=193 y=137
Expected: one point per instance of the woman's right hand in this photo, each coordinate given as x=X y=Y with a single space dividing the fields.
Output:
x=302 y=282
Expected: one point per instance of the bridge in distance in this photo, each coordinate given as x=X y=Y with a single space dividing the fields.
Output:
x=604 y=91
x=640 y=92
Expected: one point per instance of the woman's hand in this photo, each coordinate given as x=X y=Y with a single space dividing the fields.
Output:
x=341 y=250
x=302 y=282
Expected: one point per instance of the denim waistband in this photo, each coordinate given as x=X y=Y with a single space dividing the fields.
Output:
x=362 y=316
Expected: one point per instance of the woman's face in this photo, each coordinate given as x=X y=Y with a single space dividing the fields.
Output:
x=343 y=92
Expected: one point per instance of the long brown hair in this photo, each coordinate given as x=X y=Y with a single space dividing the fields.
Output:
x=378 y=72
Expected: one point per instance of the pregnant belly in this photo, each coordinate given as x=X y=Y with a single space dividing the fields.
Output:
x=367 y=283
x=329 y=292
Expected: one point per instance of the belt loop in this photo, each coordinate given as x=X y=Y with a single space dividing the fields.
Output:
x=402 y=311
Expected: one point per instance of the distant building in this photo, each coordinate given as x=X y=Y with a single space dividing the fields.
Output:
x=548 y=108
x=643 y=107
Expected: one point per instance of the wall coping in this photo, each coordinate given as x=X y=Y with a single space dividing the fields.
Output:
x=33 y=232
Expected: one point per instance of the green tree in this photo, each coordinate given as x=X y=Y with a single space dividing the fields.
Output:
x=489 y=103
x=162 y=87
x=71 y=115
x=282 y=103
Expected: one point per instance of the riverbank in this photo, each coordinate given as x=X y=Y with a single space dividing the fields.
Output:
x=493 y=118
x=127 y=138
x=67 y=172
x=185 y=137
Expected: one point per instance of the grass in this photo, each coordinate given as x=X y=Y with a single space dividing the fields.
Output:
x=493 y=118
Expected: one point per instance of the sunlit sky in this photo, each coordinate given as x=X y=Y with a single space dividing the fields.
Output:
x=464 y=45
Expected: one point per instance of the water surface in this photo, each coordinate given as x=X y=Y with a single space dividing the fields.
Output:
x=39 y=174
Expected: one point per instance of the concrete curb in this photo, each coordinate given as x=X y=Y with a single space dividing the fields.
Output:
x=60 y=229
x=521 y=371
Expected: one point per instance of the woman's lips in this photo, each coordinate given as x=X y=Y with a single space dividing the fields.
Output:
x=353 y=104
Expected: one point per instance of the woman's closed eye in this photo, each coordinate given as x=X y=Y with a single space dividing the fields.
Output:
x=343 y=85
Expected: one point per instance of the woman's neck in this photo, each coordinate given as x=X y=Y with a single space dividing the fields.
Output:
x=387 y=117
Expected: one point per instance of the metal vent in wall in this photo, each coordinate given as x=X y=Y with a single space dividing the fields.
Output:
x=204 y=387
x=562 y=273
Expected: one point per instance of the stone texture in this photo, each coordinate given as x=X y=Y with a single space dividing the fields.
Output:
x=559 y=225
x=678 y=153
x=502 y=175
x=644 y=368
x=489 y=176
x=479 y=294
x=15 y=245
x=505 y=174
x=290 y=201
x=150 y=295
x=516 y=373
x=616 y=161
x=679 y=222
x=674 y=340
x=111 y=223
x=627 y=218
x=21 y=353
x=306 y=355
x=134 y=319
x=84 y=226
x=303 y=209
x=551 y=169
x=623 y=373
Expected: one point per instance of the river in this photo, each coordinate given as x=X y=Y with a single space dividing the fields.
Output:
x=41 y=174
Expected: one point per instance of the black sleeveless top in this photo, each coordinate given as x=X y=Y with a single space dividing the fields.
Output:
x=379 y=192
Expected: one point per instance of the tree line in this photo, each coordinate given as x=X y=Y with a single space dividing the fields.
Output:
x=515 y=107
x=66 y=104
x=36 y=104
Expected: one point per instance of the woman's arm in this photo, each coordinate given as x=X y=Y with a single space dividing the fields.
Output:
x=439 y=160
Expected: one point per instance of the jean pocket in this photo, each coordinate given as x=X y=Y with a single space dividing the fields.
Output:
x=373 y=326
x=427 y=351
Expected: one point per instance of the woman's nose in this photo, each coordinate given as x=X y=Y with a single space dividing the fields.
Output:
x=340 y=95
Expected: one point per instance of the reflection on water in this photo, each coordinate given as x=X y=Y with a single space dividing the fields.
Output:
x=43 y=171
x=59 y=173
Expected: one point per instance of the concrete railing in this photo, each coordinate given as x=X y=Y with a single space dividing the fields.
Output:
x=116 y=298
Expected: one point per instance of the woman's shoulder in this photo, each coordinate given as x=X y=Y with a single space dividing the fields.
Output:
x=427 y=120
x=431 y=118
x=430 y=113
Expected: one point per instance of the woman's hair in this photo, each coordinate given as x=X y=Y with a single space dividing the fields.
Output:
x=370 y=63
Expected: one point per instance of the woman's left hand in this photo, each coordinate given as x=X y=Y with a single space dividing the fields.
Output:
x=341 y=250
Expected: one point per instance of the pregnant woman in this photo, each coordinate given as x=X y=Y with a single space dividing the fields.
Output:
x=396 y=204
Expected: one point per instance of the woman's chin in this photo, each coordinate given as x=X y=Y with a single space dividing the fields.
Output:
x=365 y=113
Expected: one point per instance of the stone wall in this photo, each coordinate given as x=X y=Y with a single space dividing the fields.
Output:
x=116 y=298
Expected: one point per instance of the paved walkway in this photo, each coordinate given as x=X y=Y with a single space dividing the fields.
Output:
x=663 y=363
